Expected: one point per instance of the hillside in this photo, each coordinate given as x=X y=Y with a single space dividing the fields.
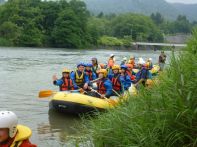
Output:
x=146 y=7
x=190 y=10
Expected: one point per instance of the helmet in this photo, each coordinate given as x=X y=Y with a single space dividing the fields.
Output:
x=112 y=55
x=132 y=57
x=129 y=65
x=9 y=120
x=141 y=61
x=65 y=70
x=94 y=58
x=103 y=71
x=88 y=65
x=115 y=67
x=80 y=64
x=149 y=82
x=150 y=59
x=123 y=67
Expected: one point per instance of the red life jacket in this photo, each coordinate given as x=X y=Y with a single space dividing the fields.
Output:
x=130 y=75
x=101 y=87
x=67 y=85
x=116 y=83
x=89 y=73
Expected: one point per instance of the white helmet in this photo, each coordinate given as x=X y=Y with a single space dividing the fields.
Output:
x=150 y=59
x=132 y=57
x=112 y=55
x=141 y=61
x=9 y=120
x=124 y=59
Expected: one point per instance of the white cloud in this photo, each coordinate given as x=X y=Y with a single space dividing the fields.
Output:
x=183 y=1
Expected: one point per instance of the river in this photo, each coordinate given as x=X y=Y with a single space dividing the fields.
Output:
x=26 y=71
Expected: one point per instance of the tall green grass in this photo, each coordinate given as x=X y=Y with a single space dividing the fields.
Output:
x=163 y=116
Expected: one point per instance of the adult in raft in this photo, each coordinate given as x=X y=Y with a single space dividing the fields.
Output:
x=111 y=60
x=162 y=60
x=149 y=63
x=79 y=77
x=143 y=73
x=65 y=83
x=132 y=61
x=95 y=66
x=115 y=78
x=124 y=78
x=89 y=72
x=104 y=85
x=12 y=134
x=130 y=72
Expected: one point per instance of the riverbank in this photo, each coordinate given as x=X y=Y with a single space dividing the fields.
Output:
x=164 y=115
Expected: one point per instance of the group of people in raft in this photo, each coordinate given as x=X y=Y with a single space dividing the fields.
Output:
x=111 y=79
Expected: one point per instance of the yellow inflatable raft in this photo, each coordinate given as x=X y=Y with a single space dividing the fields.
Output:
x=76 y=103
x=154 y=70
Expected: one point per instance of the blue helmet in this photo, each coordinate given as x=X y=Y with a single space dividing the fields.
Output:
x=89 y=65
x=80 y=64
x=123 y=67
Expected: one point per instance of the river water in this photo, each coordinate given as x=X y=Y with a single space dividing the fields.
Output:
x=26 y=71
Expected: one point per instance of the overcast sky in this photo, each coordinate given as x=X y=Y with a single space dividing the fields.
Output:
x=183 y=1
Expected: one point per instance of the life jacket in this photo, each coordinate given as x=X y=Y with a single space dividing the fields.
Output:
x=23 y=133
x=79 y=79
x=110 y=62
x=101 y=87
x=116 y=83
x=67 y=84
x=130 y=75
x=95 y=68
x=150 y=65
x=139 y=74
x=89 y=73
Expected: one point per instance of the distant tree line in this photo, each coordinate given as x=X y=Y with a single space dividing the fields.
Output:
x=180 y=25
x=36 y=23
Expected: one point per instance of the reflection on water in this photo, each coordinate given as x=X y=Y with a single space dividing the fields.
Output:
x=66 y=127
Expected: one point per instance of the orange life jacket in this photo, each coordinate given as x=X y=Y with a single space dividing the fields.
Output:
x=110 y=62
x=116 y=83
x=101 y=87
x=89 y=73
x=130 y=75
x=67 y=85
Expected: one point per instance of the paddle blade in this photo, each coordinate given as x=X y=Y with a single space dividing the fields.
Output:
x=45 y=93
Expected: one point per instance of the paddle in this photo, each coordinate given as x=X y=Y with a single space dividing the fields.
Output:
x=110 y=101
x=116 y=93
x=93 y=81
x=48 y=93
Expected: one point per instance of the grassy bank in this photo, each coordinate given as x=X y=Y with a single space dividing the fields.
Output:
x=165 y=115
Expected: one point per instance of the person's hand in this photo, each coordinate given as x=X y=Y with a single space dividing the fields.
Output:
x=103 y=96
x=55 y=78
x=85 y=86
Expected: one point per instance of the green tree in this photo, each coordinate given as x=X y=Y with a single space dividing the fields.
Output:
x=157 y=18
x=66 y=32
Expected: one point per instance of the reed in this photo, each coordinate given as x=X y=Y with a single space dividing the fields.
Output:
x=162 y=116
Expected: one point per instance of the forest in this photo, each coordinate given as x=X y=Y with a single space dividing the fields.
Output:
x=68 y=24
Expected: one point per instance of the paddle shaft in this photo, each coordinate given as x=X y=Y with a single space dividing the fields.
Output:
x=116 y=93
